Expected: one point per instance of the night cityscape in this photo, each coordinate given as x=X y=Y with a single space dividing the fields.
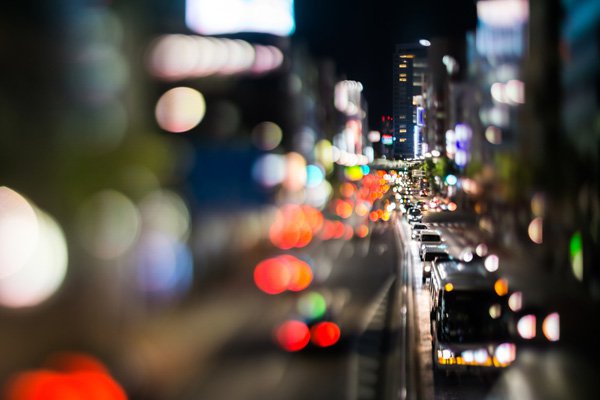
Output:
x=299 y=199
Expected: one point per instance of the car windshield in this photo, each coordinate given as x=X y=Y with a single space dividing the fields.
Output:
x=472 y=316
x=431 y=238
x=414 y=211
x=418 y=226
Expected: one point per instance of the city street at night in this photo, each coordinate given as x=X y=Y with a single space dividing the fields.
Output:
x=299 y=200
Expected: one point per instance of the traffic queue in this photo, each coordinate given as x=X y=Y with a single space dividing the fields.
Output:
x=471 y=323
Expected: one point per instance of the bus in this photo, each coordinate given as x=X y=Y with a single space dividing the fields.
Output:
x=470 y=318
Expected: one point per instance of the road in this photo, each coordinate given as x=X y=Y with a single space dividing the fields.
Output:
x=458 y=233
x=234 y=355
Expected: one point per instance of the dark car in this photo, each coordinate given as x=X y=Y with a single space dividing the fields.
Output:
x=414 y=215
x=431 y=253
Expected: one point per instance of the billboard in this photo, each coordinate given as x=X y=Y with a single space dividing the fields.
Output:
x=211 y=17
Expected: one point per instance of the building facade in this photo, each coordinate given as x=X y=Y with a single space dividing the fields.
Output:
x=409 y=73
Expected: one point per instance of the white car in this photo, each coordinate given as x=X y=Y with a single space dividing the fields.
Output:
x=417 y=228
x=428 y=252
x=430 y=236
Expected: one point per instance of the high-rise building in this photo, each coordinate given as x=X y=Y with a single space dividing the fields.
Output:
x=409 y=71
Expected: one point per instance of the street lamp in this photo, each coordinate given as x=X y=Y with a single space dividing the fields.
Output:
x=425 y=42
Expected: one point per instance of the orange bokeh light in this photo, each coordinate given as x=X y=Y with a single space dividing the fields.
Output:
x=285 y=272
x=301 y=274
x=373 y=216
x=362 y=231
x=362 y=209
x=343 y=208
x=314 y=218
x=347 y=189
x=501 y=287
x=294 y=226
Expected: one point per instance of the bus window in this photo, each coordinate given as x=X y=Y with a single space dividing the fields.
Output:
x=465 y=317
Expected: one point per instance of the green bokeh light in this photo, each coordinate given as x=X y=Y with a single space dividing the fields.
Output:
x=312 y=305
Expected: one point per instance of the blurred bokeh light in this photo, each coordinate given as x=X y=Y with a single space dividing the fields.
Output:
x=180 y=109
x=292 y=335
x=325 y=334
x=75 y=376
x=34 y=252
x=109 y=223
x=267 y=135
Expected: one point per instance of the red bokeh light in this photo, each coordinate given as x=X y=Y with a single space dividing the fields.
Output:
x=292 y=335
x=325 y=334
x=79 y=377
x=272 y=276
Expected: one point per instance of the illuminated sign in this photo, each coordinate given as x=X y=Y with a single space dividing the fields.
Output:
x=387 y=139
x=210 y=17
x=420 y=116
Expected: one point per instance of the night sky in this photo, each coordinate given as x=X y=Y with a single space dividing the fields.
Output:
x=360 y=35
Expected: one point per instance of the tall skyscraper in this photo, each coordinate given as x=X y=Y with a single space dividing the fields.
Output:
x=409 y=67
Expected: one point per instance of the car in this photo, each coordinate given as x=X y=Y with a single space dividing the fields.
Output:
x=414 y=214
x=430 y=253
x=430 y=236
x=417 y=228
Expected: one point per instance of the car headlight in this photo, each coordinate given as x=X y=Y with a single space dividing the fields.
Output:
x=505 y=354
x=481 y=356
x=478 y=357
x=445 y=354
x=468 y=356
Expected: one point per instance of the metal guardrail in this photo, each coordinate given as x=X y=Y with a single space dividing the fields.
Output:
x=409 y=382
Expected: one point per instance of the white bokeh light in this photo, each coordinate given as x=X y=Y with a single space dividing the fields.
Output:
x=42 y=274
x=19 y=231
